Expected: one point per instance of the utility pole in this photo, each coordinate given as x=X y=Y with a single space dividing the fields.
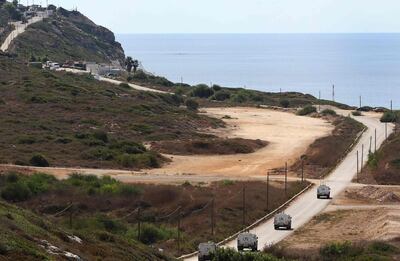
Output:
x=70 y=215
x=302 y=170
x=286 y=172
x=360 y=101
x=375 y=140
x=319 y=101
x=212 y=217
x=267 y=191
x=386 y=136
x=179 y=233
x=370 y=144
x=362 y=156
x=138 y=224
x=244 y=206
x=391 y=105
x=333 y=92
x=357 y=166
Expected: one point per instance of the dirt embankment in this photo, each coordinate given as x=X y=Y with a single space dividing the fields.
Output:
x=326 y=152
x=383 y=167
x=288 y=138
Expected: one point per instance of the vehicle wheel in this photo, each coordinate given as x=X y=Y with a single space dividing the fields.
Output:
x=254 y=249
x=289 y=227
x=240 y=248
x=276 y=227
x=201 y=259
x=329 y=196
x=318 y=196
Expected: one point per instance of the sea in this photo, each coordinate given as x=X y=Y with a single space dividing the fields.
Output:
x=358 y=65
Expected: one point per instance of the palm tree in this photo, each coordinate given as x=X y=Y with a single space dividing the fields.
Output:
x=129 y=63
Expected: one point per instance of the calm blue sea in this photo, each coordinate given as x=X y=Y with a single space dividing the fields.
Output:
x=357 y=64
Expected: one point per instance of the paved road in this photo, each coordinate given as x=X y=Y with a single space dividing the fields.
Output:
x=19 y=29
x=304 y=208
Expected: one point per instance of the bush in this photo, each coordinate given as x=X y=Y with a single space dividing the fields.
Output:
x=16 y=192
x=124 y=85
x=307 y=110
x=284 y=103
x=192 y=105
x=39 y=161
x=356 y=113
x=40 y=183
x=151 y=234
x=328 y=112
x=228 y=254
x=335 y=250
x=390 y=116
x=221 y=95
x=101 y=135
x=216 y=87
x=373 y=160
x=239 y=98
x=202 y=91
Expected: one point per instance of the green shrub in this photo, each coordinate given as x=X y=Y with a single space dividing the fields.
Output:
x=151 y=234
x=390 y=116
x=40 y=183
x=228 y=182
x=373 y=160
x=328 y=112
x=124 y=85
x=101 y=135
x=239 y=98
x=39 y=161
x=26 y=140
x=202 y=91
x=284 y=103
x=336 y=250
x=216 y=87
x=356 y=113
x=221 y=95
x=307 y=110
x=192 y=105
x=228 y=254
x=16 y=192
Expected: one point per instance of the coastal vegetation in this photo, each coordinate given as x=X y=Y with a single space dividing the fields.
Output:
x=63 y=119
x=103 y=210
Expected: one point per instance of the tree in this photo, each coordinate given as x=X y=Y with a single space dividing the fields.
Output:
x=131 y=64
x=2 y=2
x=15 y=3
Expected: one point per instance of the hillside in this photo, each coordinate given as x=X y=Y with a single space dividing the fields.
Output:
x=72 y=120
x=27 y=236
x=68 y=35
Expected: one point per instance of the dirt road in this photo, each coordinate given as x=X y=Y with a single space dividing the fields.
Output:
x=307 y=206
x=19 y=29
x=288 y=135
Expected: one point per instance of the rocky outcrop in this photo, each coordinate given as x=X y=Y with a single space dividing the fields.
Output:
x=68 y=35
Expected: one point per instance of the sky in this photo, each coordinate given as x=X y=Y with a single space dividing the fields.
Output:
x=244 y=16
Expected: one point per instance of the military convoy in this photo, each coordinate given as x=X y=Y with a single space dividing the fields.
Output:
x=250 y=241
x=247 y=241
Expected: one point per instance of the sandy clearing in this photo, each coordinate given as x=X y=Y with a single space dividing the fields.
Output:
x=289 y=137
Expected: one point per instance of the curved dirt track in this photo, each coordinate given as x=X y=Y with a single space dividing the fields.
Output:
x=288 y=135
x=304 y=208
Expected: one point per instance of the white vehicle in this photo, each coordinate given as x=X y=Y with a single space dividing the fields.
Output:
x=247 y=241
x=283 y=220
x=324 y=191
x=206 y=250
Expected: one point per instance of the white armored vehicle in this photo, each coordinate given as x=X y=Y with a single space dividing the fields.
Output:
x=206 y=250
x=283 y=220
x=324 y=191
x=247 y=241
